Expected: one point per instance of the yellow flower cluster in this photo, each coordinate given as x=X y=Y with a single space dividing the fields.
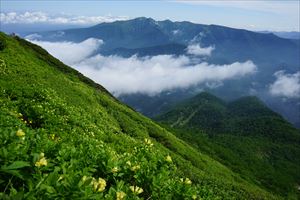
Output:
x=186 y=181
x=128 y=163
x=115 y=170
x=148 y=142
x=135 y=168
x=24 y=120
x=21 y=134
x=42 y=161
x=52 y=136
x=168 y=159
x=136 y=189
x=84 y=178
x=120 y=195
x=99 y=185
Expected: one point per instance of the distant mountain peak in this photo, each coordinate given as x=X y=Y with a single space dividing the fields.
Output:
x=208 y=112
x=146 y=20
x=143 y=19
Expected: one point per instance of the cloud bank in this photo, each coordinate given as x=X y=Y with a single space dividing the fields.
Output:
x=155 y=74
x=286 y=85
x=41 y=17
x=147 y=75
x=71 y=53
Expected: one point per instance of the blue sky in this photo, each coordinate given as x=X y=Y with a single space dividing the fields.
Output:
x=253 y=15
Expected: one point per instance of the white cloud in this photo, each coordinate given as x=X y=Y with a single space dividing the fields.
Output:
x=69 y=52
x=41 y=17
x=286 y=85
x=148 y=75
x=196 y=49
x=155 y=74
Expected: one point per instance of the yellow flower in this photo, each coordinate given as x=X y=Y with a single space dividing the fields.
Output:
x=135 y=168
x=136 y=189
x=52 y=136
x=102 y=184
x=41 y=162
x=99 y=185
x=188 y=181
x=114 y=170
x=120 y=195
x=128 y=163
x=194 y=196
x=20 y=133
x=148 y=142
x=168 y=159
x=84 y=178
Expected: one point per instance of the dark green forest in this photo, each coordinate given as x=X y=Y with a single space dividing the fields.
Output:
x=244 y=135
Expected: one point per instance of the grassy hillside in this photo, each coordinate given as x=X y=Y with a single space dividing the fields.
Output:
x=244 y=135
x=65 y=137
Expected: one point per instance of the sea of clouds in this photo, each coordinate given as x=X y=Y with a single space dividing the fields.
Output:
x=148 y=75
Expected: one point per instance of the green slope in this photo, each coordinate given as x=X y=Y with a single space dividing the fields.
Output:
x=65 y=137
x=244 y=135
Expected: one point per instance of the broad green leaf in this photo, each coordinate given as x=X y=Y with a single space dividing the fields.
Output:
x=16 y=165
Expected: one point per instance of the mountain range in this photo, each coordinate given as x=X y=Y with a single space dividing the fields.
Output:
x=285 y=34
x=146 y=37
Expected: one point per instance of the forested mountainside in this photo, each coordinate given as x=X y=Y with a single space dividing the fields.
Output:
x=244 y=135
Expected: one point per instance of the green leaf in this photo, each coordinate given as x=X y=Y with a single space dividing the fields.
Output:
x=49 y=189
x=16 y=165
